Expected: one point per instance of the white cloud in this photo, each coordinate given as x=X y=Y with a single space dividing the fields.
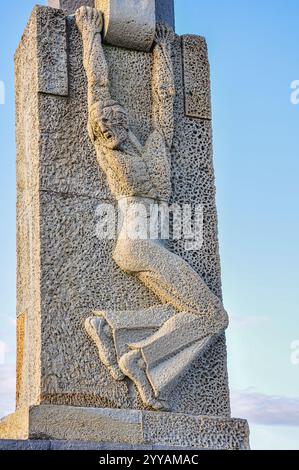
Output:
x=264 y=409
x=7 y=389
x=12 y=321
x=274 y=437
x=247 y=321
x=3 y=350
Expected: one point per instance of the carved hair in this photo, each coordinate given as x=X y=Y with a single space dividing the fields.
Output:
x=100 y=106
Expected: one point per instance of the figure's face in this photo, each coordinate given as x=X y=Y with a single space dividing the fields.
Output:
x=111 y=125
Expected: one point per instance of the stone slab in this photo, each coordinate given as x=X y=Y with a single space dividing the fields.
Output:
x=37 y=445
x=196 y=77
x=12 y=445
x=200 y=432
x=67 y=423
x=128 y=23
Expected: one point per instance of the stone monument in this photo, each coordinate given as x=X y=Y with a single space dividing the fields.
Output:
x=120 y=338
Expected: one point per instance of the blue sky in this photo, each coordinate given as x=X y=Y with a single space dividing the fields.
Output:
x=254 y=59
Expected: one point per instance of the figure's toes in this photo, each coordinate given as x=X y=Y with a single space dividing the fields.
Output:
x=164 y=29
x=81 y=12
x=99 y=20
x=116 y=372
x=81 y=16
x=127 y=363
x=89 y=323
x=89 y=13
x=93 y=14
x=108 y=332
x=78 y=16
x=124 y=364
x=158 y=405
x=93 y=326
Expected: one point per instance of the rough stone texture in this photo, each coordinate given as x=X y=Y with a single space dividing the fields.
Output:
x=136 y=173
x=28 y=227
x=129 y=427
x=64 y=271
x=196 y=77
x=89 y=424
x=128 y=23
x=164 y=8
x=52 y=64
x=20 y=354
x=70 y=6
x=79 y=445
x=16 y=425
x=196 y=431
x=9 y=444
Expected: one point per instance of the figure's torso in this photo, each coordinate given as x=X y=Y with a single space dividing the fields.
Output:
x=138 y=171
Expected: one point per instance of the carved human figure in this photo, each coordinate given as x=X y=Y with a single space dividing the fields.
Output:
x=190 y=316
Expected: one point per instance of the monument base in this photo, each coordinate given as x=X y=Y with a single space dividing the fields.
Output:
x=125 y=427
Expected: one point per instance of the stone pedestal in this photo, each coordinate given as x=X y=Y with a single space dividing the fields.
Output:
x=65 y=271
x=129 y=427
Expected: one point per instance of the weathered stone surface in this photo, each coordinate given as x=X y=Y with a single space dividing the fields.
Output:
x=128 y=23
x=139 y=176
x=52 y=65
x=89 y=424
x=28 y=239
x=16 y=425
x=65 y=272
x=196 y=77
x=70 y=6
x=124 y=427
x=164 y=8
x=71 y=166
x=79 y=445
x=24 y=445
x=20 y=354
x=165 y=12
x=196 y=431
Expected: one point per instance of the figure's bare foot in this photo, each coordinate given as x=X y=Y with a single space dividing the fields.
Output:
x=133 y=366
x=100 y=332
x=89 y=20
x=116 y=373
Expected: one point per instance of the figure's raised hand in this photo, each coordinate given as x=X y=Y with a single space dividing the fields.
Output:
x=164 y=34
x=89 y=20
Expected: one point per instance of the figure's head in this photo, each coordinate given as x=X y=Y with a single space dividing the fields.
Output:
x=109 y=123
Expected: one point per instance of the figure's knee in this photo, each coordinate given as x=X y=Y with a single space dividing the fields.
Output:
x=121 y=256
x=129 y=255
x=217 y=320
x=223 y=320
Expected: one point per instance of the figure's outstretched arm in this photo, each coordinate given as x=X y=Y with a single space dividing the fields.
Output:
x=163 y=86
x=90 y=23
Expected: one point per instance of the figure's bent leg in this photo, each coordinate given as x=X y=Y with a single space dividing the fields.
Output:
x=200 y=315
x=170 y=351
x=211 y=320
x=172 y=279
x=100 y=332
